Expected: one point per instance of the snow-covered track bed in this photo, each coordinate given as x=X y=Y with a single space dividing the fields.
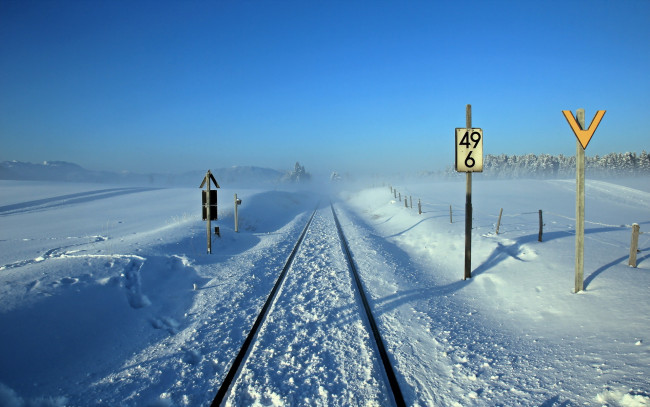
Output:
x=315 y=321
x=388 y=366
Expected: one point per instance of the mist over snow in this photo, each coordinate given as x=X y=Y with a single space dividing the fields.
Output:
x=69 y=172
x=107 y=295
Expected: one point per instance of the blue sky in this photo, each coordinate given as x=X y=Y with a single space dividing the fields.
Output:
x=357 y=86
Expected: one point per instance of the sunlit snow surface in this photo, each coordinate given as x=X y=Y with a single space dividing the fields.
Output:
x=98 y=304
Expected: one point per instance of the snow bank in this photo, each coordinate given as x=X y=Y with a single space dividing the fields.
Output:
x=9 y=398
x=525 y=287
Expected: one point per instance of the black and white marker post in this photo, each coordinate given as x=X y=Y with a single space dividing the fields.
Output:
x=469 y=159
x=209 y=205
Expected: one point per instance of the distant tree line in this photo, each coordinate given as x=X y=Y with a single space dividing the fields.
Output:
x=561 y=166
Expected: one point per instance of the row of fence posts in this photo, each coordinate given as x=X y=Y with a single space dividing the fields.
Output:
x=398 y=195
x=634 y=243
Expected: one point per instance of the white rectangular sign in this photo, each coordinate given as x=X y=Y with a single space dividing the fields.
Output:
x=469 y=150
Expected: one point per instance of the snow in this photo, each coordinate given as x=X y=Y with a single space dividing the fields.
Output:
x=314 y=348
x=108 y=297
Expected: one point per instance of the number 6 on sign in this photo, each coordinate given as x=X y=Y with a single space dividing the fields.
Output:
x=469 y=150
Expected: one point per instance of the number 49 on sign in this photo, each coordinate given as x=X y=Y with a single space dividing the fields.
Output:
x=469 y=150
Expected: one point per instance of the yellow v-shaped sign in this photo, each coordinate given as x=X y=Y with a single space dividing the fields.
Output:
x=584 y=136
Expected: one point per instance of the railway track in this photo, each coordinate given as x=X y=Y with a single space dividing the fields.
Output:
x=319 y=308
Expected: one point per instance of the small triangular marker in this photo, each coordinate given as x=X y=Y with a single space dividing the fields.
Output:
x=208 y=177
x=584 y=136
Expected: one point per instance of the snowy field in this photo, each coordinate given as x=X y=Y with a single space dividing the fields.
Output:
x=107 y=296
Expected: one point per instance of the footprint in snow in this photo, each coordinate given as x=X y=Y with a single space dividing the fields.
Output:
x=31 y=285
x=192 y=357
x=133 y=285
x=166 y=323
x=65 y=281
x=69 y=280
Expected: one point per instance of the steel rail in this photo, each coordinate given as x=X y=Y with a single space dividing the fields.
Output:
x=388 y=367
x=241 y=356
x=246 y=346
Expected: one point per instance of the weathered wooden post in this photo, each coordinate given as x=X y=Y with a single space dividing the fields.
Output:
x=584 y=136
x=406 y=202
x=400 y=197
x=395 y=193
x=499 y=221
x=634 y=245
x=419 y=207
x=450 y=218
x=580 y=207
x=411 y=200
x=541 y=226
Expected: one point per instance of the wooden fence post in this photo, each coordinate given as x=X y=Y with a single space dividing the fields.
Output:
x=541 y=226
x=400 y=197
x=411 y=200
x=406 y=202
x=499 y=221
x=634 y=245
x=419 y=207
x=395 y=193
x=450 y=219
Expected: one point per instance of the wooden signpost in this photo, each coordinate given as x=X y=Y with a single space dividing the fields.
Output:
x=469 y=158
x=209 y=205
x=584 y=136
x=634 y=245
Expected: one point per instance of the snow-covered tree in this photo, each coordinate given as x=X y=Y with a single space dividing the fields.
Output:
x=549 y=166
x=644 y=163
x=298 y=174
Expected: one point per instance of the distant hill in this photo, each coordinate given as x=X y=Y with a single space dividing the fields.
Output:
x=69 y=172
x=236 y=175
x=53 y=171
